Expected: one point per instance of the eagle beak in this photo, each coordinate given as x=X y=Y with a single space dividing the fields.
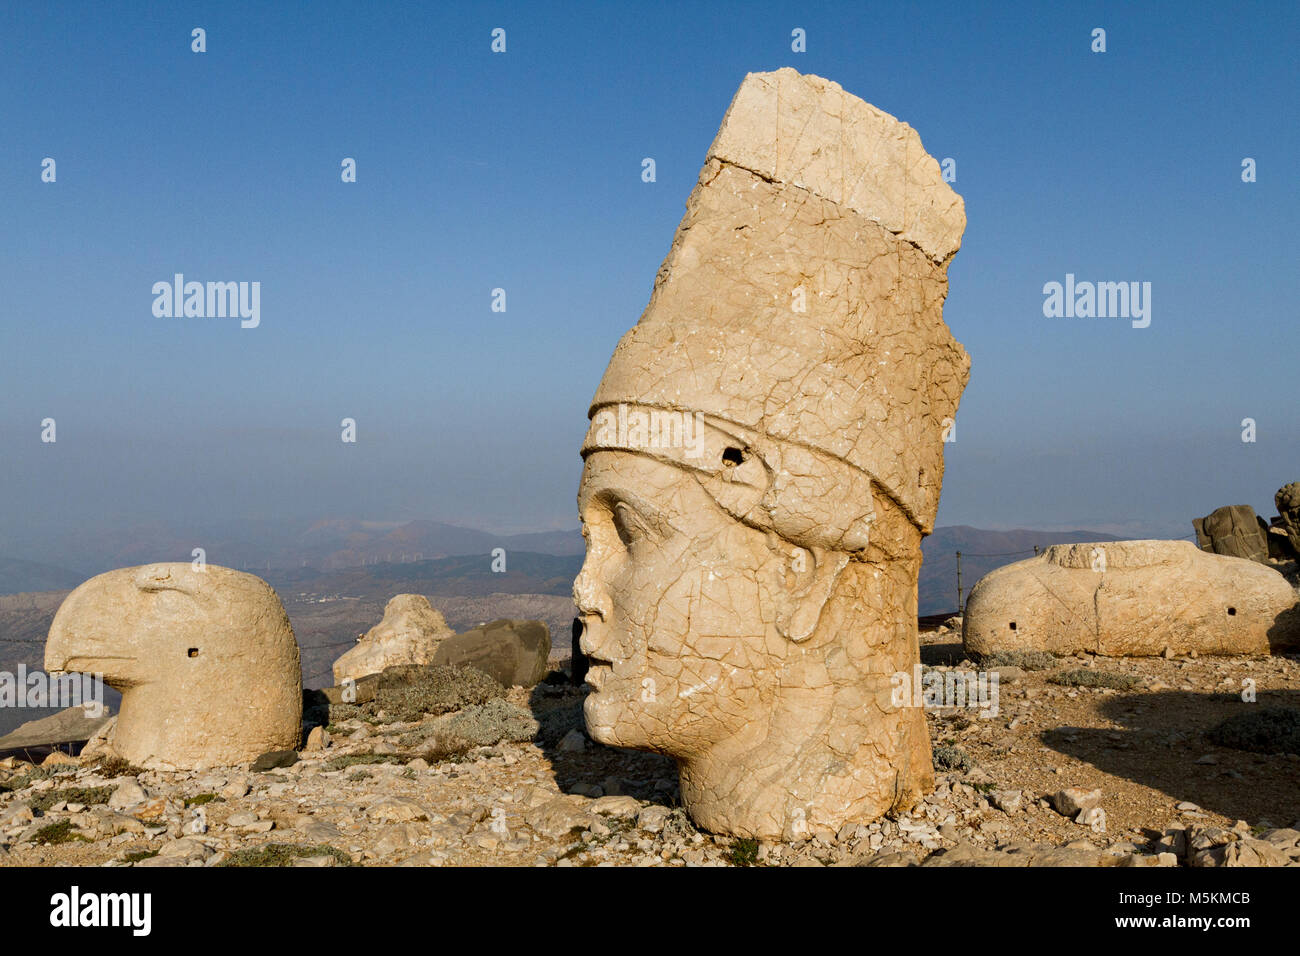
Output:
x=77 y=642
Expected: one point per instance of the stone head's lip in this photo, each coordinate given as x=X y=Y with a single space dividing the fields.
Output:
x=598 y=670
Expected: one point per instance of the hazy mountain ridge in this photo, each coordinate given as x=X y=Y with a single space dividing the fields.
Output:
x=262 y=547
x=18 y=576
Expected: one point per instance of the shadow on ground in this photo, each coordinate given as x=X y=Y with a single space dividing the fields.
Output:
x=1163 y=744
x=596 y=770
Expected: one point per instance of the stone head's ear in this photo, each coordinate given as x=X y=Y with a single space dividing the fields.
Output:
x=813 y=575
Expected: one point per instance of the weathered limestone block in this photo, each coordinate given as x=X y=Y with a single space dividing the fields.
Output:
x=513 y=652
x=1131 y=598
x=1287 y=500
x=72 y=725
x=205 y=659
x=764 y=457
x=408 y=634
x=1234 y=530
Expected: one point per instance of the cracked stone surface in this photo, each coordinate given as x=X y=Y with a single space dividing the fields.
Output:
x=1132 y=598
x=1234 y=530
x=765 y=454
x=206 y=661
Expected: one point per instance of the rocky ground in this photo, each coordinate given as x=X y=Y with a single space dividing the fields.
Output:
x=1019 y=788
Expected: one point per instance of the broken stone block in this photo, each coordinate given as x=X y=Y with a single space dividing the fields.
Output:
x=512 y=652
x=1234 y=530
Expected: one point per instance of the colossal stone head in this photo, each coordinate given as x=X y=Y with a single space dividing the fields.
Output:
x=205 y=659
x=764 y=456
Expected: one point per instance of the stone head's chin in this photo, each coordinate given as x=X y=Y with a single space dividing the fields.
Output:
x=605 y=713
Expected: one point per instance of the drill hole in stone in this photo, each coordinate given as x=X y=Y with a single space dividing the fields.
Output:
x=732 y=456
x=1232 y=612
x=1013 y=625
x=193 y=652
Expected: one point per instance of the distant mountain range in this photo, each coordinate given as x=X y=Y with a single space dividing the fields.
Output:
x=333 y=544
x=19 y=576
x=431 y=557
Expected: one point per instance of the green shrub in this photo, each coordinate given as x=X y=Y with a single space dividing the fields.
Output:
x=952 y=758
x=1025 y=660
x=743 y=852
x=351 y=760
x=283 y=854
x=55 y=833
x=90 y=796
x=1087 y=677
x=1266 y=730
x=410 y=693
x=117 y=767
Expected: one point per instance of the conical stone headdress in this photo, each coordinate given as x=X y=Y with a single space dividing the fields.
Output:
x=802 y=298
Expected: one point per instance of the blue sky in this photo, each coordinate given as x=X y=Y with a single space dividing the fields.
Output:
x=522 y=171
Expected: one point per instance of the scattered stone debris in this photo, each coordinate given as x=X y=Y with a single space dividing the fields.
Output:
x=510 y=794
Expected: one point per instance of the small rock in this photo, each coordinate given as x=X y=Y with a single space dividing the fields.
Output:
x=558 y=817
x=1283 y=839
x=616 y=806
x=652 y=819
x=318 y=831
x=151 y=811
x=16 y=815
x=573 y=742
x=1093 y=817
x=128 y=794
x=1071 y=801
x=1008 y=801
x=395 y=810
x=273 y=759
x=238 y=787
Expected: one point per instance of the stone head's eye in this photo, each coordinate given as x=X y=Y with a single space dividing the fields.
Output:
x=628 y=524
